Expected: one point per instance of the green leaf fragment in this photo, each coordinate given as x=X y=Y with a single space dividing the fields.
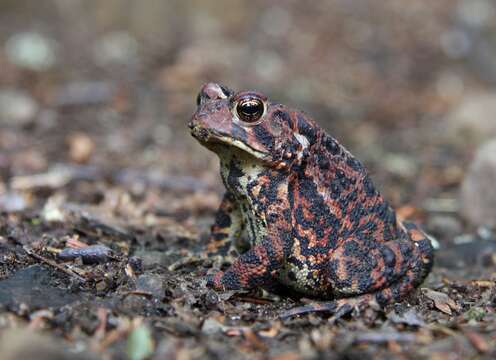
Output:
x=140 y=343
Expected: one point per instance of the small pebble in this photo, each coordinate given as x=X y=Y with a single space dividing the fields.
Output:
x=94 y=254
x=445 y=226
x=31 y=50
x=81 y=147
x=150 y=283
x=12 y=201
x=136 y=264
x=211 y=299
x=117 y=47
x=472 y=121
x=478 y=194
x=17 y=108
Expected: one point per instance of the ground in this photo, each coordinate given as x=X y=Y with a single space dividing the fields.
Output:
x=94 y=151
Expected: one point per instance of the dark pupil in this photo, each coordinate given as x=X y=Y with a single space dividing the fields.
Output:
x=250 y=110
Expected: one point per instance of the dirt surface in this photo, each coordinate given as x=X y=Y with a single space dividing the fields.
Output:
x=106 y=201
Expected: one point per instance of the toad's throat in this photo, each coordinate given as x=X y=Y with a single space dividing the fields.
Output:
x=243 y=176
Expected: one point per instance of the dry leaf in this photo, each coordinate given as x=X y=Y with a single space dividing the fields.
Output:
x=441 y=301
x=483 y=283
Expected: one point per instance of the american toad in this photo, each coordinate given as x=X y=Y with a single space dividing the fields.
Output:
x=314 y=219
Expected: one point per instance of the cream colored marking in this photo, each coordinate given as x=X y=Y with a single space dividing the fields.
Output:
x=302 y=140
x=302 y=283
x=220 y=93
x=241 y=146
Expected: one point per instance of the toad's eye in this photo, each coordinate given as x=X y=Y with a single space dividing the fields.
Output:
x=198 y=100
x=250 y=110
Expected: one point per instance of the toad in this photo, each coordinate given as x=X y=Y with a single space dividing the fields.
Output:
x=313 y=217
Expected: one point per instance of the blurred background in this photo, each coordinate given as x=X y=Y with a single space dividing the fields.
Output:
x=408 y=87
x=94 y=150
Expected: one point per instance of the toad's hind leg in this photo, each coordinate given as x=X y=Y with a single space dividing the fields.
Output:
x=394 y=293
x=389 y=270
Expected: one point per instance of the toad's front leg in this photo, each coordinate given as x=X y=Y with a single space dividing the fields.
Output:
x=227 y=228
x=256 y=267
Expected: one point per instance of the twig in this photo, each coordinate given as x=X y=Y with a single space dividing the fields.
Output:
x=311 y=308
x=190 y=260
x=139 y=293
x=54 y=264
x=254 y=300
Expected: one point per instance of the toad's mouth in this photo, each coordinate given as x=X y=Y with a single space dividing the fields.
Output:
x=220 y=143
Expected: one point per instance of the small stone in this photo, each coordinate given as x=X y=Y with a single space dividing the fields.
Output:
x=478 y=194
x=153 y=258
x=17 y=108
x=101 y=286
x=117 y=47
x=52 y=211
x=472 y=122
x=31 y=50
x=211 y=326
x=93 y=254
x=12 y=201
x=211 y=299
x=136 y=264
x=400 y=165
x=476 y=13
x=444 y=226
x=81 y=147
x=409 y=317
x=150 y=283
